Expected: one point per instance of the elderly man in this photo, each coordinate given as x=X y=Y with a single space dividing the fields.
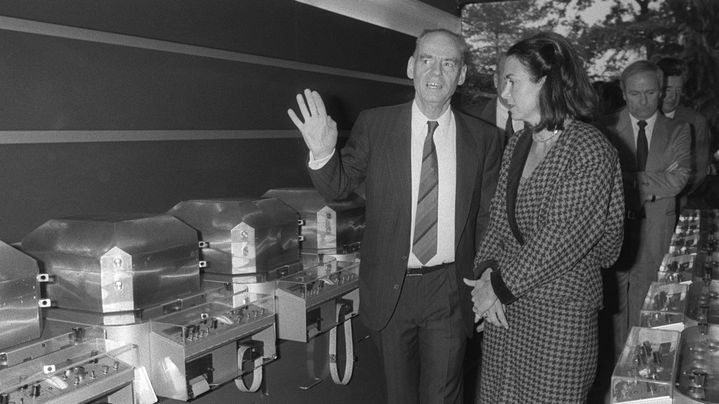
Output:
x=429 y=174
x=656 y=163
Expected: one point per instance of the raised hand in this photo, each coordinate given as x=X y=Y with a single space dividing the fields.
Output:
x=319 y=130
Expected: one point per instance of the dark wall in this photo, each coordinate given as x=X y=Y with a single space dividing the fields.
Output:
x=58 y=84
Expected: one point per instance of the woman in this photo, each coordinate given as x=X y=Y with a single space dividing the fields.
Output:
x=556 y=218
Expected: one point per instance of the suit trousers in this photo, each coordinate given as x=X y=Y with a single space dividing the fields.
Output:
x=423 y=345
x=647 y=241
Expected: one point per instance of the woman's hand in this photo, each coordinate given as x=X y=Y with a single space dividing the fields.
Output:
x=486 y=306
x=483 y=296
x=495 y=315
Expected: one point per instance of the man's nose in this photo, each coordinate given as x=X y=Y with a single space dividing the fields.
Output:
x=436 y=67
x=505 y=92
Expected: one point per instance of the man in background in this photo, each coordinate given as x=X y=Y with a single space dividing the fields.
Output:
x=674 y=74
x=495 y=110
x=654 y=152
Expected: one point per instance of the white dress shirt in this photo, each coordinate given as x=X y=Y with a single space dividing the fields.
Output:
x=446 y=145
x=445 y=142
x=648 y=130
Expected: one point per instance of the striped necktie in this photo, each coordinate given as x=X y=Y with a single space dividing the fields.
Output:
x=424 y=245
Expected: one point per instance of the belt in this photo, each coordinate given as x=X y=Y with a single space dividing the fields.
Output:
x=635 y=214
x=426 y=270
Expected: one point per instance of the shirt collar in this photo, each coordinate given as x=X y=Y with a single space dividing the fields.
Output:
x=502 y=114
x=418 y=118
x=650 y=123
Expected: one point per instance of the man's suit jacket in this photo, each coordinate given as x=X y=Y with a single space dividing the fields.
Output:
x=378 y=154
x=486 y=110
x=701 y=144
x=666 y=173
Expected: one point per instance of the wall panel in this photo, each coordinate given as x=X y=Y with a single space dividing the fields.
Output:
x=135 y=105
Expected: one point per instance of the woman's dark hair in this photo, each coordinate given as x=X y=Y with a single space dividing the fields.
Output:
x=567 y=92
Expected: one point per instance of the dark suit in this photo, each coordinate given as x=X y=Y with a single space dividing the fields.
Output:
x=701 y=146
x=647 y=239
x=486 y=110
x=378 y=154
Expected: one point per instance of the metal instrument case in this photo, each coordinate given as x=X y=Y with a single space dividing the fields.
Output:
x=329 y=227
x=307 y=301
x=19 y=297
x=243 y=236
x=73 y=367
x=116 y=263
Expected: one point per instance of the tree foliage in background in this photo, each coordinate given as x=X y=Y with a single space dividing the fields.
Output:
x=491 y=29
x=632 y=29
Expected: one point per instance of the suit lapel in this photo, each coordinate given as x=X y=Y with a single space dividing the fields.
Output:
x=624 y=127
x=659 y=143
x=467 y=168
x=399 y=152
x=626 y=145
x=514 y=175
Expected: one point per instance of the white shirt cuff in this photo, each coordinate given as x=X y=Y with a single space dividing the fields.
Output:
x=317 y=164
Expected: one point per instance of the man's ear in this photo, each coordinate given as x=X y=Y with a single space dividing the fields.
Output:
x=410 y=68
x=462 y=75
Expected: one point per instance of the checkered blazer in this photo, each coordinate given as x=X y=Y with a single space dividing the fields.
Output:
x=545 y=243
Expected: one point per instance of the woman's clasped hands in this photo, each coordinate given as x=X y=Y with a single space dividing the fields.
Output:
x=486 y=305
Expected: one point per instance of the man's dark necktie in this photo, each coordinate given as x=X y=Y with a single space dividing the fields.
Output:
x=642 y=146
x=508 y=129
x=424 y=245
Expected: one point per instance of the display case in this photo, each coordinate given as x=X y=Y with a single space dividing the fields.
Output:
x=327 y=227
x=664 y=306
x=250 y=240
x=702 y=303
x=698 y=371
x=204 y=346
x=75 y=367
x=20 y=297
x=116 y=263
x=682 y=244
x=646 y=368
x=689 y=221
x=134 y=327
x=676 y=268
x=309 y=301
x=704 y=268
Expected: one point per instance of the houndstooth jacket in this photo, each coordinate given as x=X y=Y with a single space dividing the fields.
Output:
x=547 y=241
